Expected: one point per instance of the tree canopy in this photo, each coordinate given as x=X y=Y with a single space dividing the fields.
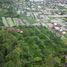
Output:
x=36 y=47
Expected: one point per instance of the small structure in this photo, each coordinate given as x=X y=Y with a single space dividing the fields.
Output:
x=11 y=29
x=57 y=27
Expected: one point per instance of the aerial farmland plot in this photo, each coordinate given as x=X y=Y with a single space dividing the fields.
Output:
x=10 y=22
x=14 y=21
x=5 y=22
x=18 y=22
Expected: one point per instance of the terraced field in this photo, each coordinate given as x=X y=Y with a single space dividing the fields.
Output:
x=10 y=22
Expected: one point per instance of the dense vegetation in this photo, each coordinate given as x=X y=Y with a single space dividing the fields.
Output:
x=36 y=47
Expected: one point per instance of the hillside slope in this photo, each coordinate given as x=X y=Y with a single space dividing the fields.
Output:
x=35 y=47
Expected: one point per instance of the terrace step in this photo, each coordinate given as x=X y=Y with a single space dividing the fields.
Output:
x=5 y=22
